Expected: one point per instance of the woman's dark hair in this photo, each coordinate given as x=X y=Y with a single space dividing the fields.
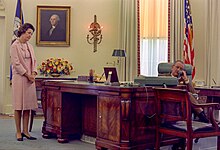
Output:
x=23 y=28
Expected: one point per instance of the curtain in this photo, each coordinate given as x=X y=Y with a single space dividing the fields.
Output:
x=128 y=38
x=153 y=35
x=176 y=29
x=153 y=17
x=212 y=42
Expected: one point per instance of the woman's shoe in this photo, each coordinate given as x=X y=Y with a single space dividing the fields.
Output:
x=28 y=137
x=19 y=139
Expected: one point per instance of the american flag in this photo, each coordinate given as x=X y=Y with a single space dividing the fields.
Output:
x=18 y=21
x=188 y=51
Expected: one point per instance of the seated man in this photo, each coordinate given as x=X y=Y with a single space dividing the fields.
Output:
x=179 y=72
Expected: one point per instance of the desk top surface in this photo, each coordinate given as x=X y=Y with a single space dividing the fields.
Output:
x=82 y=87
x=60 y=82
x=56 y=78
x=208 y=88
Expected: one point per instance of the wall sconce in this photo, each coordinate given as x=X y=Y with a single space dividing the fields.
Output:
x=96 y=31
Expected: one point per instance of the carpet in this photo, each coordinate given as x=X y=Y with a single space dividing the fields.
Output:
x=9 y=142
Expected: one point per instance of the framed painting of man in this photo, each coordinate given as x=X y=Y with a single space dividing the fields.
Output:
x=53 y=26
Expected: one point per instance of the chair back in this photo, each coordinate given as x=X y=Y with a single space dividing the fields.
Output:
x=173 y=117
x=172 y=105
x=164 y=68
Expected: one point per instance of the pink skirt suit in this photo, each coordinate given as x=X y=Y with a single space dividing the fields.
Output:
x=23 y=91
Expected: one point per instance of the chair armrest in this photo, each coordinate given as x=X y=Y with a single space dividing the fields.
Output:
x=197 y=91
x=213 y=105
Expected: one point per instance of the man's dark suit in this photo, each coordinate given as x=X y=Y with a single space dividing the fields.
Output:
x=58 y=34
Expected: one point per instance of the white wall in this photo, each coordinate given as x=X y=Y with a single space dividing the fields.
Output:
x=2 y=63
x=80 y=53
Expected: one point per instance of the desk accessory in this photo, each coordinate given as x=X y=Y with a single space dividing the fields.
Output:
x=111 y=76
x=199 y=83
x=83 y=78
x=91 y=75
x=156 y=81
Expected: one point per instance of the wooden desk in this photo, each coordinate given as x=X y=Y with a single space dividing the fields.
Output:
x=41 y=79
x=119 y=117
x=213 y=94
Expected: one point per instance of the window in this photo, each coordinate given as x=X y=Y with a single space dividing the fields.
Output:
x=153 y=35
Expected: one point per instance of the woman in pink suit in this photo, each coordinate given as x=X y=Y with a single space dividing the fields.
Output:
x=24 y=70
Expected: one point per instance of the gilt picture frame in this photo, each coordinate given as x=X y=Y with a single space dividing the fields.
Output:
x=53 y=26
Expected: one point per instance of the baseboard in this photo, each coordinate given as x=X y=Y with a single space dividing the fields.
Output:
x=7 y=110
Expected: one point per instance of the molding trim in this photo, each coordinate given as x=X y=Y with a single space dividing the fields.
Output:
x=2 y=5
x=7 y=109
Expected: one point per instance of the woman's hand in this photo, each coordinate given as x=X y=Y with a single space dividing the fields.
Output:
x=31 y=77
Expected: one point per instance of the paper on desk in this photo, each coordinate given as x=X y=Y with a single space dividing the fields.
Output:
x=215 y=86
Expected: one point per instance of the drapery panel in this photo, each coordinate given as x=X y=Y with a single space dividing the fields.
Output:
x=212 y=42
x=176 y=29
x=128 y=36
x=154 y=18
x=153 y=35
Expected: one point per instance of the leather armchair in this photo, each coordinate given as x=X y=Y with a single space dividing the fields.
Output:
x=164 y=69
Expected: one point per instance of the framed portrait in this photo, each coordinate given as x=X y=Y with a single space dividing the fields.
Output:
x=53 y=26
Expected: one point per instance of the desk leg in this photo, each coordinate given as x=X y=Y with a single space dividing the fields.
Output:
x=59 y=139
x=48 y=135
x=45 y=134
x=62 y=140
x=100 y=148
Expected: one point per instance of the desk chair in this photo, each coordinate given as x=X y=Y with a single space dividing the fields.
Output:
x=164 y=69
x=173 y=117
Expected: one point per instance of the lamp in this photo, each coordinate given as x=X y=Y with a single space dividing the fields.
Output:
x=96 y=31
x=120 y=53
